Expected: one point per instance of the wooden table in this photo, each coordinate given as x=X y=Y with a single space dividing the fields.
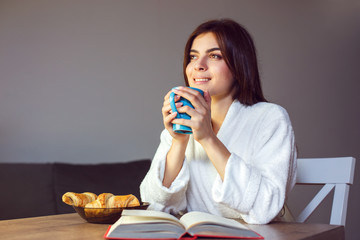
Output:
x=71 y=226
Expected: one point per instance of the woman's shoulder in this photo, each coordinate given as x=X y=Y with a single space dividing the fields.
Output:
x=270 y=107
x=264 y=109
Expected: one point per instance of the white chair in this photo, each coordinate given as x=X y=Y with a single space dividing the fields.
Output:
x=333 y=173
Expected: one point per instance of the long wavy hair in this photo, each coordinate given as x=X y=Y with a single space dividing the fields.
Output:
x=238 y=50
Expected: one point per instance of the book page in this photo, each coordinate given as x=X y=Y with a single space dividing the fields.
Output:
x=146 y=222
x=131 y=220
x=191 y=219
x=150 y=214
x=212 y=230
x=159 y=225
x=147 y=216
x=132 y=225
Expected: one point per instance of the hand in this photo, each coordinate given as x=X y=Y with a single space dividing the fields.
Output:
x=169 y=116
x=200 y=121
x=176 y=154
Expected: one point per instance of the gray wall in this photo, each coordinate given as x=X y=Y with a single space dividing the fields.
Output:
x=83 y=81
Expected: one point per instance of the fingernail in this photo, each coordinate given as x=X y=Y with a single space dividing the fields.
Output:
x=178 y=88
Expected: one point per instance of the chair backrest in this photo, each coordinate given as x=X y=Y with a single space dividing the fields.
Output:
x=333 y=173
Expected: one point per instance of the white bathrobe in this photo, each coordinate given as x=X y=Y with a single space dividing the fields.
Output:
x=259 y=173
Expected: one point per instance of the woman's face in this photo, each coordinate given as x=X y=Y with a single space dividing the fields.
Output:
x=207 y=69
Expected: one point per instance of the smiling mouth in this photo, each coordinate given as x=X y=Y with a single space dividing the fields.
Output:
x=201 y=79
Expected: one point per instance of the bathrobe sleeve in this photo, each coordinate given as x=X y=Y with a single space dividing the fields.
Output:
x=161 y=198
x=256 y=188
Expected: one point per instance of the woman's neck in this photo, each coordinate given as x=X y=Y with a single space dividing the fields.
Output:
x=219 y=109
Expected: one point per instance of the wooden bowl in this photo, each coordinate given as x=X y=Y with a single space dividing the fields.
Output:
x=104 y=215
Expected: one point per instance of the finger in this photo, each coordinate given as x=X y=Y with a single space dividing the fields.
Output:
x=182 y=121
x=195 y=97
x=167 y=121
x=191 y=111
x=189 y=123
x=167 y=97
x=207 y=97
x=166 y=109
x=169 y=118
x=167 y=106
x=188 y=110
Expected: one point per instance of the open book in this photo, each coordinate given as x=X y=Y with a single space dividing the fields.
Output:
x=147 y=224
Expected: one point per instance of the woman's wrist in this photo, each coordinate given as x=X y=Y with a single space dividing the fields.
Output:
x=174 y=161
x=180 y=142
x=209 y=140
x=217 y=153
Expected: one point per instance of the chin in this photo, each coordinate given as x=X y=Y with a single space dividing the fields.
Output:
x=201 y=85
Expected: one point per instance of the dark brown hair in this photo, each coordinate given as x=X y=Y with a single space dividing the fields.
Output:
x=238 y=50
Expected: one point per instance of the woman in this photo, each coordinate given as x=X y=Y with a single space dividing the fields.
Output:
x=240 y=160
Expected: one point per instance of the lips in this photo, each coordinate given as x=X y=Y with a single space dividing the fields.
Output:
x=201 y=79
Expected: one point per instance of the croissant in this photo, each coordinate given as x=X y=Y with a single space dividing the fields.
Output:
x=108 y=200
x=78 y=199
x=100 y=202
x=109 y=204
x=123 y=201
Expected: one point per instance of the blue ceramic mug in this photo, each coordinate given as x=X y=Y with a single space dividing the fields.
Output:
x=178 y=128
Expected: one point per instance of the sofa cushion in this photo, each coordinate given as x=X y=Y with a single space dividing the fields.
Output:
x=116 y=178
x=26 y=190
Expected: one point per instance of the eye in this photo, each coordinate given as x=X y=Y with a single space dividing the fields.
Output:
x=215 y=56
x=192 y=57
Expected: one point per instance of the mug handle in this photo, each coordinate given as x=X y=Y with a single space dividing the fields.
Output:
x=172 y=102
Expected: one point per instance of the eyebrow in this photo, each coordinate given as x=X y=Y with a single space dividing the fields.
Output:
x=207 y=51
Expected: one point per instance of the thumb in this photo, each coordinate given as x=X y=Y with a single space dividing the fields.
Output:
x=207 y=97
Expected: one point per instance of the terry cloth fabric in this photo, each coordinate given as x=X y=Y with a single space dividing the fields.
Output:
x=260 y=171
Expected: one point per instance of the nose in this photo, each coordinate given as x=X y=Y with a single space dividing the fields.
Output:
x=200 y=64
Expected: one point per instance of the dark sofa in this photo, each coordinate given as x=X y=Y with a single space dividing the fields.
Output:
x=29 y=190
